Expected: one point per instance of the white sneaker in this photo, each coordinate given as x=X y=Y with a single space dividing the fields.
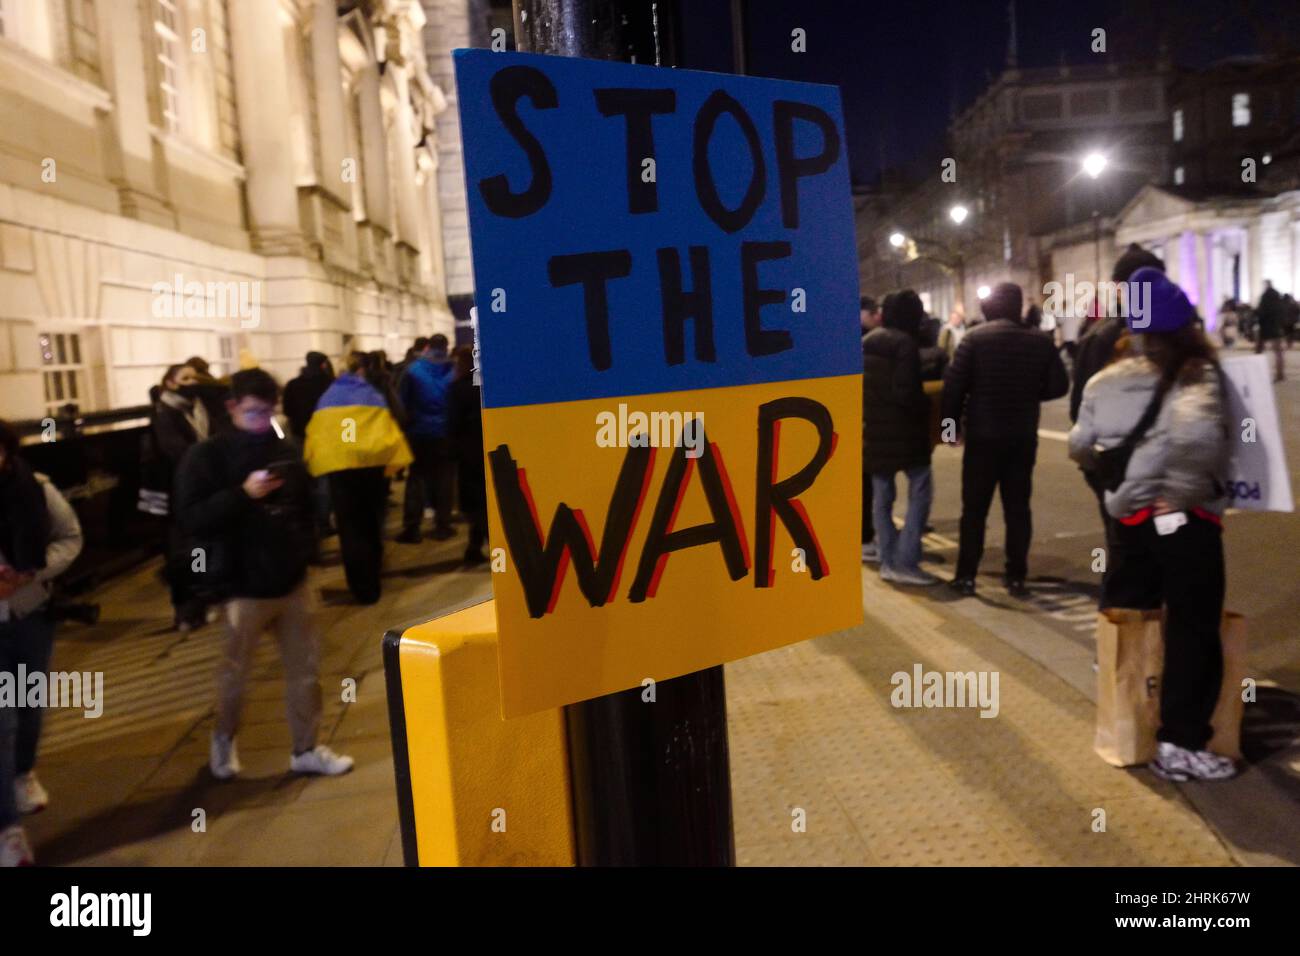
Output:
x=870 y=553
x=915 y=576
x=223 y=758
x=14 y=848
x=1178 y=763
x=29 y=795
x=321 y=760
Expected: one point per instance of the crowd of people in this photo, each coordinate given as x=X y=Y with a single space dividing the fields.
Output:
x=1150 y=435
x=247 y=504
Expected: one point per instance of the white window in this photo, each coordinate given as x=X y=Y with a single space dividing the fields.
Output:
x=1179 y=176
x=28 y=25
x=167 y=45
x=62 y=369
x=1240 y=109
x=1178 y=126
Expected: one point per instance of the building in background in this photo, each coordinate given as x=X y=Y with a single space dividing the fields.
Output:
x=1203 y=167
x=1017 y=155
x=454 y=24
x=243 y=180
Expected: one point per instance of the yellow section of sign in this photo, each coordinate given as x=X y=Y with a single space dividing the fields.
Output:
x=678 y=591
x=481 y=791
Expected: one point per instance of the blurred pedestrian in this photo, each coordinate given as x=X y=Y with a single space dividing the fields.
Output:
x=424 y=395
x=991 y=394
x=1270 y=314
x=180 y=419
x=896 y=435
x=954 y=330
x=242 y=497
x=300 y=398
x=39 y=538
x=1153 y=428
x=353 y=439
x=467 y=435
x=869 y=318
x=302 y=393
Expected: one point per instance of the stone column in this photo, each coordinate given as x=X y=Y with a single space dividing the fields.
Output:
x=262 y=89
x=330 y=105
x=126 y=72
x=402 y=143
x=374 y=149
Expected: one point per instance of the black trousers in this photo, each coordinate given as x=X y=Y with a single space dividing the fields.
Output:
x=868 y=526
x=1113 y=546
x=1185 y=572
x=432 y=474
x=1008 y=466
x=359 y=498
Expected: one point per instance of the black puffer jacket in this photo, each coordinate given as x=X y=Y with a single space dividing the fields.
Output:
x=1094 y=353
x=1001 y=372
x=252 y=548
x=895 y=411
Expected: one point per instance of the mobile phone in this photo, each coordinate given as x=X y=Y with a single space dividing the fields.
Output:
x=281 y=469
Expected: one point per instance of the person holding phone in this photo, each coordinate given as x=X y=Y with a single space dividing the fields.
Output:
x=1153 y=428
x=243 y=500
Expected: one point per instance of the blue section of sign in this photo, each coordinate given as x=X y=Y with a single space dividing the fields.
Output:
x=527 y=119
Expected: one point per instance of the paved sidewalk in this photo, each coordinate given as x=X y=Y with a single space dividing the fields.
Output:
x=812 y=729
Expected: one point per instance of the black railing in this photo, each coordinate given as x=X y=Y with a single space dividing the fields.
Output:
x=94 y=459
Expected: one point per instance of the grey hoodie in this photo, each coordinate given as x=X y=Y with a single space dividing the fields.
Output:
x=1183 y=454
x=64 y=546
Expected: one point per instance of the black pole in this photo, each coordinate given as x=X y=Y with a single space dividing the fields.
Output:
x=651 y=779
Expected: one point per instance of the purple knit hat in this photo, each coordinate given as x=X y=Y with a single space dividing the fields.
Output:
x=1155 y=304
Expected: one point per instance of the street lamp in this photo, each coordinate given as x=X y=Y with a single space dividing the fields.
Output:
x=982 y=292
x=1094 y=164
x=896 y=239
x=958 y=214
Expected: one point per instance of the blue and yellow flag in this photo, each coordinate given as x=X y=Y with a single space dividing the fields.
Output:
x=353 y=428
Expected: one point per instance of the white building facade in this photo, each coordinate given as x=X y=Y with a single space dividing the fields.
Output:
x=244 y=180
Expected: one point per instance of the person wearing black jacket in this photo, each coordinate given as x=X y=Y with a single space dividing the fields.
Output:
x=303 y=392
x=999 y=375
x=1096 y=350
x=896 y=435
x=1097 y=347
x=300 y=398
x=242 y=499
x=466 y=427
x=180 y=419
x=1271 y=313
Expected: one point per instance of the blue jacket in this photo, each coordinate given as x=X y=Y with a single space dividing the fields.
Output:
x=424 y=392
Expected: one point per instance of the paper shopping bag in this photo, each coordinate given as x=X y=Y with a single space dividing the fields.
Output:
x=1130 y=658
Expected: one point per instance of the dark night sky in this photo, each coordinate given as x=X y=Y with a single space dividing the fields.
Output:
x=903 y=67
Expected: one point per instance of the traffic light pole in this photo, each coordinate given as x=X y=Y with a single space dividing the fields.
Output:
x=649 y=767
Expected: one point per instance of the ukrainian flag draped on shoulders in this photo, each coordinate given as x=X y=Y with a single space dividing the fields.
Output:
x=352 y=427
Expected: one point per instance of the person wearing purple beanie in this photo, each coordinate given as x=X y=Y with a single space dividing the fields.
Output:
x=1152 y=428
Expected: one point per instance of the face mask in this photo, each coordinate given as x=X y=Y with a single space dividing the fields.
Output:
x=188 y=391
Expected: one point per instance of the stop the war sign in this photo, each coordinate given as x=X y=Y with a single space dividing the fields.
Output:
x=667 y=296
